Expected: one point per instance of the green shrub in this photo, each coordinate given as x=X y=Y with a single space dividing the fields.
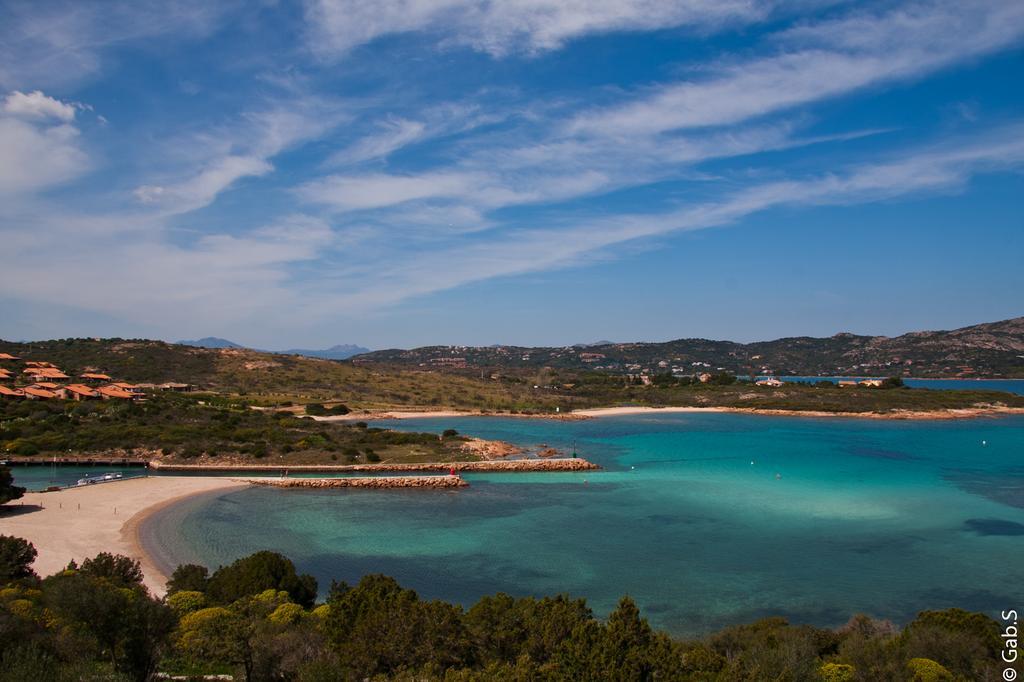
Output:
x=186 y=602
x=837 y=672
x=927 y=670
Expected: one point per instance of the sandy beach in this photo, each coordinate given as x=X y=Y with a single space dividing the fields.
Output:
x=424 y=414
x=592 y=413
x=965 y=413
x=77 y=523
x=396 y=414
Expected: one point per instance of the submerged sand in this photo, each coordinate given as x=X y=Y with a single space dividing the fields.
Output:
x=77 y=523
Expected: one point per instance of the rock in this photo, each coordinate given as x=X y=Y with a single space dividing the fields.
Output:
x=363 y=482
x=554 y=464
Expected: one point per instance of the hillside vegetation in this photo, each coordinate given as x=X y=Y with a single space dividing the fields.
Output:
x=289 y=382
x=194 y=429
x=268 y=379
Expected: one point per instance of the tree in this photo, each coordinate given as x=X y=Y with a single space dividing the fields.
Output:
x=626 y=648
x=258 y=572
x=378 y=627
x=8 y=491
x=16 y=557
x=186 y=601
x=129 y=628
x=927 y=670
x=627 y=636
x=214 y=634
x=892 y=382
x=121 y=570
x=837 y=672
x=496 y=626
x=188 y=578
x=967 y=644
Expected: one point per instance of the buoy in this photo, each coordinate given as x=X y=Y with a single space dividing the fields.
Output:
x=751 y=462
x=631 y=468
x=984 y=442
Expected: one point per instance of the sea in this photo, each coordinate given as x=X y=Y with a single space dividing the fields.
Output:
x=705 y=519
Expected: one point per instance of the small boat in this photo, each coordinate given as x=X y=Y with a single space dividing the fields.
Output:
x=102 y=478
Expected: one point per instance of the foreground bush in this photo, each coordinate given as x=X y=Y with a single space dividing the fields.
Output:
x=256 y=620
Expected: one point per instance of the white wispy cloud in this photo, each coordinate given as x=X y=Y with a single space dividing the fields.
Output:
x=53 y=44
x=499 y=28
x=200 y=189
x=819 y=60
x=392 y=134
x=164 y=285
x=217 y=158
x=526 y=250
x=347 y=193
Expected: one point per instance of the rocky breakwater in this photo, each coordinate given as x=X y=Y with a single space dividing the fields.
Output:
x=553 y=464
x=363 y=482
x=561 y=464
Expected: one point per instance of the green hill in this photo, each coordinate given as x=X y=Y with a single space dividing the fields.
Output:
x=283 y=380
x=993 y=349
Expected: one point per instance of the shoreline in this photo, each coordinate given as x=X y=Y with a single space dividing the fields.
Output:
x=598 y=412
x=76 y=523
x=485 y=465
x=79 y=523
x=373 y=415
x=950 y=413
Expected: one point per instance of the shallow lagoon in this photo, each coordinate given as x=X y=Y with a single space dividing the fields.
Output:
x=705 y=519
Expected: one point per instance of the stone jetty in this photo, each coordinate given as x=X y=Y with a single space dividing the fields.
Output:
x=509 y=465
x=363 y=482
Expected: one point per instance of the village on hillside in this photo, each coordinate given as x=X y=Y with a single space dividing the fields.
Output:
x=40 y=380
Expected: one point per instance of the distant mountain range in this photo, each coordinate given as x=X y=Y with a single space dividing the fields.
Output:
x=210 y=342
x=994 y=349
x=339 y=352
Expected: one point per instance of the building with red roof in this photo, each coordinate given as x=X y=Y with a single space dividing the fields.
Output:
x=80 y=392
x=39 y=393
x=115 y=393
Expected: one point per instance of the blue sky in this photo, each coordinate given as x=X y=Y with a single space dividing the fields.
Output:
x=411 y=172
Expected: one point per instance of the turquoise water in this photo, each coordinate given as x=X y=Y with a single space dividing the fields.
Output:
x=705 y=519
x=40 y=477
x=1008 y=385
